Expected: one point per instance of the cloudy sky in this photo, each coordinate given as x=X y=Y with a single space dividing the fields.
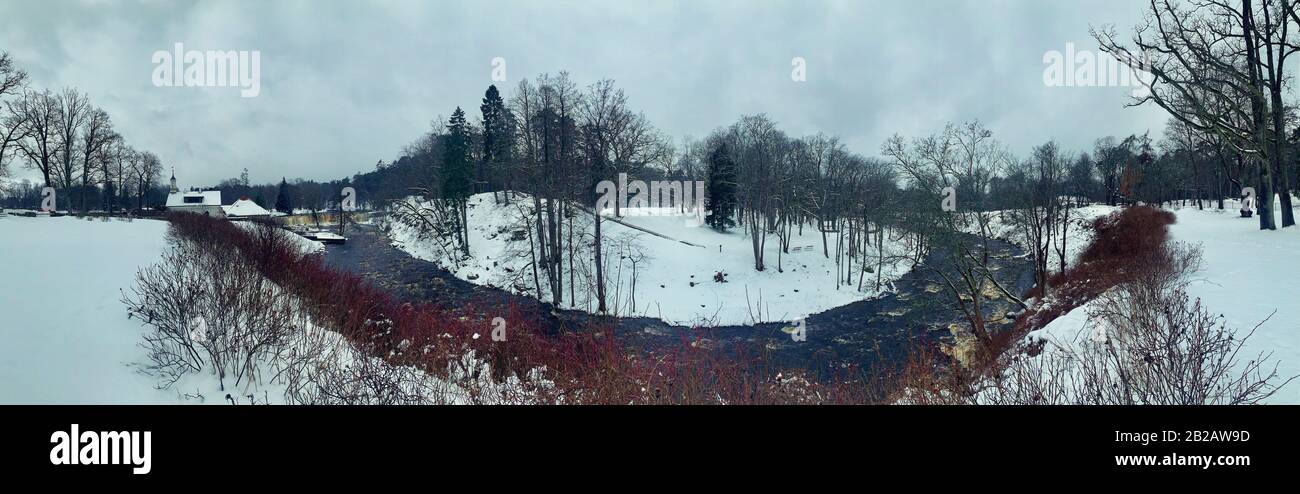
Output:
x=344 y=84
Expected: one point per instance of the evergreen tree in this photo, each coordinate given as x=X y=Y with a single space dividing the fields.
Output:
x=498 y=137
x=721 y=205
x=457 y=179
x=457 y=172
x=283 y=200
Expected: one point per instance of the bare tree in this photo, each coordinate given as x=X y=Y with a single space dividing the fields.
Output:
x=12 y=80
x=1040 y=214
x=613 y=140
x=964 y=158
x=38 y=112
x=96 y=133
x=12 y=125
x=73 y=110
x=760 y=147
x=112 y=159
x=146 y=168
x=1208 y=57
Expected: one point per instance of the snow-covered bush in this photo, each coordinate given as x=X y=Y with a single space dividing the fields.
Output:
x=210 y=309
x=1147 y=342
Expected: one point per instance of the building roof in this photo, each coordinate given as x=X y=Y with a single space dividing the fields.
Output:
x=245 y=208
x=207 y=197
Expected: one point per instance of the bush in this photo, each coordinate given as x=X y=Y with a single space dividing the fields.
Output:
x=1147 y=343
x=331 y=337
x=1127 y=244
x=209 y=307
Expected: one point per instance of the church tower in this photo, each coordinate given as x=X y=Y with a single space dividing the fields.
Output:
x=173 y=188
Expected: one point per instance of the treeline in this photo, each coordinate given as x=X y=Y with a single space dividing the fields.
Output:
x=73 y=145
x=554 y=141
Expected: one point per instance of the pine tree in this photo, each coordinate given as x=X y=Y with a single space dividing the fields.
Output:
x=457 y=172
x=498 y=134
x=721 y=205
x=457 y=179
x=283 y=200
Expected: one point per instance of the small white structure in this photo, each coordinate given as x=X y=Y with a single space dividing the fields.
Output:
x=245 y=209
x=202 y=202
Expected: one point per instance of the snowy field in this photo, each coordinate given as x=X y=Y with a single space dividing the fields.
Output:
x=674 y=281
x=64 y=333
x=1246 y=274
x=65 y=337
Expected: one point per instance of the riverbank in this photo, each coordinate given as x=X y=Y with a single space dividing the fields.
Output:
x=867 y=334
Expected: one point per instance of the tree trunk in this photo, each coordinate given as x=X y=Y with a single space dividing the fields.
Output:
x=1264 y=195
x=600 y=271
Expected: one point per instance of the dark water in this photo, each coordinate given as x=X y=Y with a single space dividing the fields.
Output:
x=877 y=331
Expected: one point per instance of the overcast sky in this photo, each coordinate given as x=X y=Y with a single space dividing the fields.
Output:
x=344 y=84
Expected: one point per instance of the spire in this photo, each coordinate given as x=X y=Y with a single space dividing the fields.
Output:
x=173 y=189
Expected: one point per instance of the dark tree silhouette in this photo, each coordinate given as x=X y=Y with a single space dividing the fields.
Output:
x=721 y=205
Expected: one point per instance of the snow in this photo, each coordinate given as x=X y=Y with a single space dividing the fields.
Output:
x=1066 y=331
x=329 y=236
x=1246 y=274
x=307 y=245
x=207 y=198
x=244 y=208
x=67 y=339
x=665 y=269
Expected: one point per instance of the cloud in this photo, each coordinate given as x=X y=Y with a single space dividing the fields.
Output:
x=347 y=83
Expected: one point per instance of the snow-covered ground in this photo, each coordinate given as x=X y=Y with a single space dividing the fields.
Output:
x=65 y=337
x=1246 y=274
x=64 y=333
x=674 y=281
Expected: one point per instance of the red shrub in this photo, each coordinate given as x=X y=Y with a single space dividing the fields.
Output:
x=1126 y=244
x=582 y=367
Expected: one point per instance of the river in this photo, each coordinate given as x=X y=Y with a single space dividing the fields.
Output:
x=867 y=333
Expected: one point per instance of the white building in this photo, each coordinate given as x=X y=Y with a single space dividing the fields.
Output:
x=202 y=202
x=245 y=209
